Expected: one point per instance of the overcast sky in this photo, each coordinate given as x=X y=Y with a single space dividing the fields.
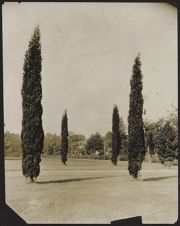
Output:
x=88 y=51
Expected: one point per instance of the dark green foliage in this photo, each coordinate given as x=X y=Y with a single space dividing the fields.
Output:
x=32 y=134
x=108 y=142
x=136 y=143
x=167 y=145
x=116 y=139
x=95 y=143
x=64 y=138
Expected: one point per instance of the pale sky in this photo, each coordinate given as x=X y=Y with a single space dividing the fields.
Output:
x=88 y=51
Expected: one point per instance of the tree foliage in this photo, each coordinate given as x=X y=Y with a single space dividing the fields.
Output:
x=136 y=143
x=108 y=141
x=150 y=143
x=122 y=126
x=124 y=139
x=167 y=148
x=64 y=138
x=12 y=144
x=32 y=134
x=149 y=139
x=164 y=136
x=51 y=144
x=116 y=139
x=173 y=118
x=76 y=145
x=95 y=143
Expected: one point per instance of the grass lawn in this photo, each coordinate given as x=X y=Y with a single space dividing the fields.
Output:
x=92 y=191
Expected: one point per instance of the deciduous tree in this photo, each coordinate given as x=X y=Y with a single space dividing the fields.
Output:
x=94 y=143
x=167 y=145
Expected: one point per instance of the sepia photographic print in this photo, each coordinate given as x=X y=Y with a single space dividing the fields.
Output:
x=90 y=111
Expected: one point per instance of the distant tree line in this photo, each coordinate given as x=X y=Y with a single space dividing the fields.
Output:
x=12 y=144
x=78 y=147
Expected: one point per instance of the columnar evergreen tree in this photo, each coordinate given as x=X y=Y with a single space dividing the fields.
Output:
x=116 y=139
x=136 y=143
x=32 y=134
x=64 y=138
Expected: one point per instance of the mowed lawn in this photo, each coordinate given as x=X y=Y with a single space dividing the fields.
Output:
x=92 y=191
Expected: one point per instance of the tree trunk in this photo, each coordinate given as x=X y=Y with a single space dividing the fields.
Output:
x=32 y=179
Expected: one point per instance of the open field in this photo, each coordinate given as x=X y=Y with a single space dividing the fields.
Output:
x=92 y=191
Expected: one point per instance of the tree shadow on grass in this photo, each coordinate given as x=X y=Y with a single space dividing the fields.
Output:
x=70 y=180
x=81 y=165
x=158 y=178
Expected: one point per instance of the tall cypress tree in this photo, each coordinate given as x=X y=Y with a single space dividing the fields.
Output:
x=116 y=140
x=136 y=143
x=64 y=138
x=32 y=134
